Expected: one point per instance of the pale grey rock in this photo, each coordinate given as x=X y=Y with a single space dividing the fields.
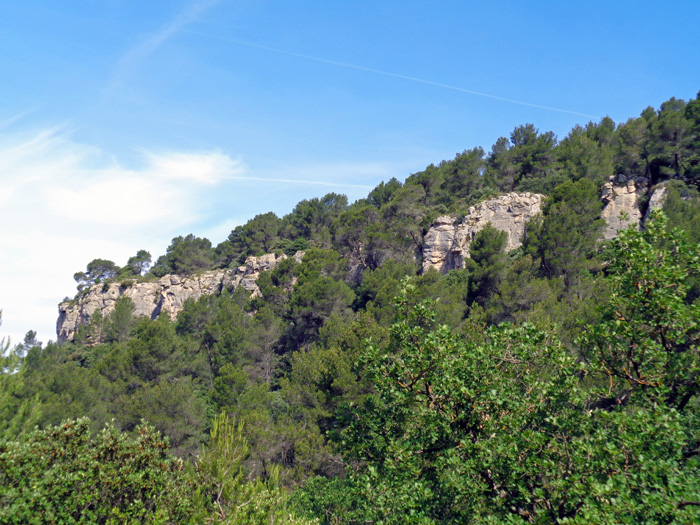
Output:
x=168 y=294
x=175 y=290
x=446 y=245
x=657 y=199
x=440 y=245
x=618 y=200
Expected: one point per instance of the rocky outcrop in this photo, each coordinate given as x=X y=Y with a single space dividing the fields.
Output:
x=446 y=245
x=168 y=294
x=656 y=200
x=620 y=207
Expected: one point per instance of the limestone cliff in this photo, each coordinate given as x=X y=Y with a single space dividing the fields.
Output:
x=168 y=294
x=445 y=247
x=446 y=244
x=625 y=197
x=657 y=199
x=618 y=200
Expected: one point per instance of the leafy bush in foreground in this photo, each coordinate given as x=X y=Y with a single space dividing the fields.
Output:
x=65 y=475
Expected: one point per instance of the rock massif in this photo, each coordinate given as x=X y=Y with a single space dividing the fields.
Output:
x=168 y=294
x=446 y=245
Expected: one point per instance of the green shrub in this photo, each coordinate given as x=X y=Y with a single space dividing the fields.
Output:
x=65 y=475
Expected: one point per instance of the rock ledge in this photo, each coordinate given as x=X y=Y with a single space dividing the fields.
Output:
x=168 y=294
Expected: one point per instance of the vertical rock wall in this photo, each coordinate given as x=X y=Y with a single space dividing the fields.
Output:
x=656 y=200
x=621 y=207
x=446 y=245
x=621 y=204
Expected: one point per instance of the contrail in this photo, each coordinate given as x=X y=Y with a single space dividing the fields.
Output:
x=403 y=77
x=244 y=178
x=9 y=121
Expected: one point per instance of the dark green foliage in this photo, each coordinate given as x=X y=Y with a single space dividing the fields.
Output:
x=532 y=154
x=500 y=171
x=66 y=475
x=429 y=180
x=98 y=270
x=297 y=245
x=681 y=208
x=311 y=219
x=55 y=385
x=139 y=263
x=153 y=374
x=647 y=342
x=487 y=263
x=378 y=288
x=588 y=152
x=220 y=326
x=383 y=193
x=258 y=236
x=319 y=294
x=324 y=377
x=332 y=501
x=566 y=238
x=120 y=322
x=404 y=215
x=185 y=256
x=276 y=285
x=633 y=146
x=462 y=176
x=522 y=293
x=673 y=133
x=174 y=407
x=526 y=162
x=361 y=237
x=692 y=114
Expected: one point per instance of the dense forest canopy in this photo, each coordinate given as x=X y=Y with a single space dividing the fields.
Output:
x=555 y=383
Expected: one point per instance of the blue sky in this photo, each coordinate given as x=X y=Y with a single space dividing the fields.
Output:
x=124 y=123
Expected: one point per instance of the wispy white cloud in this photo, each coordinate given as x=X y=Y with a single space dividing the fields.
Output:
x=134 y=56
x=210 y=169
x=78 y=181
x=6 y=122
x=64 y=203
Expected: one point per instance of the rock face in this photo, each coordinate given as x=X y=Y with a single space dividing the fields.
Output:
x=165 y=295
x=657 y=199
x=446 y=244
x=618 y=199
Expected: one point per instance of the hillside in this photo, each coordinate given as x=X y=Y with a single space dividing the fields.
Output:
x=509 y=336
